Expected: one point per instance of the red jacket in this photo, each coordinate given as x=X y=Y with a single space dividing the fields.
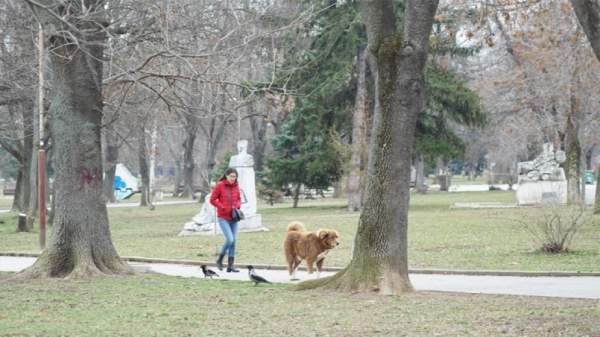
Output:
x=225 y=197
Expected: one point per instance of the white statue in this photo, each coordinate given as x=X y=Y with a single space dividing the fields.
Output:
x=545 y=167
x=203 y=223
x=542 y=180
x=244 y=164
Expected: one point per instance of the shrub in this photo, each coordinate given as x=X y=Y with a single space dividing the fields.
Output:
x=555 y=229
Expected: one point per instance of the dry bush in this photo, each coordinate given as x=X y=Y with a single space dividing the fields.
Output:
x=556 y=227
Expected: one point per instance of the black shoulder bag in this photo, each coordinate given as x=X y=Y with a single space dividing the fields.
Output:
x=236 y=213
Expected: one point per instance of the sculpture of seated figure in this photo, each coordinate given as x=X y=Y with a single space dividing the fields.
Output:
x=543 y=167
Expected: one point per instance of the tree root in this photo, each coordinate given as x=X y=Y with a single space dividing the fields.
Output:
x=74 y=267
x=354 y=279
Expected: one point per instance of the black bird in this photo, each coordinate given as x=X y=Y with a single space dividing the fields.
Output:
x=254 y=277
x=207 y=272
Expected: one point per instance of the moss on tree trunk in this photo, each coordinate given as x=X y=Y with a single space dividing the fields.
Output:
x=380 y=261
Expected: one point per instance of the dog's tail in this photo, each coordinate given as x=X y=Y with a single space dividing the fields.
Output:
x=296 y=226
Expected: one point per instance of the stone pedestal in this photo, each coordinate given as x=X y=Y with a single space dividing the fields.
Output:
x=250 y=224
x=549 y=192
x=542 y=192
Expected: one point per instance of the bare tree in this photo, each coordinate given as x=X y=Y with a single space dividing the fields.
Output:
x=17 y=103
x=588 y=13
x=81 y=244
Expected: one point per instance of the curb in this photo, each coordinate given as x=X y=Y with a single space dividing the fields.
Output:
x=336 y=269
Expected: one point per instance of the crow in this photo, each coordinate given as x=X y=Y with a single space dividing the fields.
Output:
x=254 y=277
x=207 y=272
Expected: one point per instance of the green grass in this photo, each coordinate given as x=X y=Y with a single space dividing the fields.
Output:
x=155 y=305
x=439 y=237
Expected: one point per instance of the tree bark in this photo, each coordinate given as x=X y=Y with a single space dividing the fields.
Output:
x=32 y=207
x=178 y=178
x=296 y=195
x=380 y=261
x=17 y=204
x=81 y=244
x=420 y=175
x=188 y=162
x=573 y=153
x=21 y=201
x=588 y=14
x=145 y=199
x=443 y=176
x=597 y=200
x=258 y=125
x=358 y=166
x=111 y=156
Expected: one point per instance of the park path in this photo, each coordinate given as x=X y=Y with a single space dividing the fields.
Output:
x=587 y=287
x=137 y=204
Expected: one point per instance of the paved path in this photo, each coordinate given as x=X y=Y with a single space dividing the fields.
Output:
x=570 y=287
x=137 y=204
x=157 y=203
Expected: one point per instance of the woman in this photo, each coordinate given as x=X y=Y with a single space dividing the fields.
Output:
x=225 y=197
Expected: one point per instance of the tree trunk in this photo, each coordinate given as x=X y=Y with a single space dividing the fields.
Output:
x=188 y=163
x=178 y=178
x=32 y=141
x=597 y=200
x=208 y=165
x=380 y=261
x=111 y=156
x=145 y=199
x=420 y=175
x=258 y=125
x=21 y=201
x=296 y=196
x=588 y=14
x=17 y=204
x=32 y=207
x=359 y=138
x=573 y=152
x=442 y=177
x=81 y=244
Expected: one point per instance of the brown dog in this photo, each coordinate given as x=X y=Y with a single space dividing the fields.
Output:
x=310 y=246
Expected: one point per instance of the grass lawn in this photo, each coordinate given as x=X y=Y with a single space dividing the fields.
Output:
x=6 y=201
x=439 y=237
x=155 y=305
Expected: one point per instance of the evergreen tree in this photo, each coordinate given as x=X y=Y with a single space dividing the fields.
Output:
x=305 y=150
x=448 y=100
x=322 y=77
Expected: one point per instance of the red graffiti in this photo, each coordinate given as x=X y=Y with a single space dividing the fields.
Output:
x=89 y=176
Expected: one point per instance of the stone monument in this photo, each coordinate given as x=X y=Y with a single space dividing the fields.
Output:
x=204 y=222
x=542 y=180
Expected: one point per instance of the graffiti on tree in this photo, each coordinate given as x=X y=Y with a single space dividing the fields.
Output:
x=89 y=176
